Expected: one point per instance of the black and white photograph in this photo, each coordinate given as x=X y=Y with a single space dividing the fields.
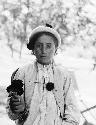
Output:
x=47 y=62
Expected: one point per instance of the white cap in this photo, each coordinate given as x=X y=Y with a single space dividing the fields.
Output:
x=43 y=29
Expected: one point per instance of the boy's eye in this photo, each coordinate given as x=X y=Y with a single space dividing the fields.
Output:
x=48 y=45
x=38 y=46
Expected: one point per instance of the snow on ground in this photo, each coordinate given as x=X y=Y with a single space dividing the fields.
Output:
x=85 y=77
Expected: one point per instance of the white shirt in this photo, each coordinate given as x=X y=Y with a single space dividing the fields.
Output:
x=63 y=92
x=48 y=111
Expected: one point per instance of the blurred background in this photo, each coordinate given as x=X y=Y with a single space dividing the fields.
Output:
x=75 y=20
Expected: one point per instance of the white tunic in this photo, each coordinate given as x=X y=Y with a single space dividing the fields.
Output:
x=38 y=100
x=47 y=110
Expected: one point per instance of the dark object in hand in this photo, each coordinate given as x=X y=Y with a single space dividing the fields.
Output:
x=16 y=87
x=50 y=86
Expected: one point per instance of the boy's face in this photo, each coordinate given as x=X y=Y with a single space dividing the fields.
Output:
x=44 y=49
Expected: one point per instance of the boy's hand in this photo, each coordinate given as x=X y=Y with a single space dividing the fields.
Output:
x=17 y=104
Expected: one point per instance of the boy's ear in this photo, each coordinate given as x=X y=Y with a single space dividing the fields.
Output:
x=56 y=52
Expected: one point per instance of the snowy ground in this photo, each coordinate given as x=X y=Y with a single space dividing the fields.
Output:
x=85 y=77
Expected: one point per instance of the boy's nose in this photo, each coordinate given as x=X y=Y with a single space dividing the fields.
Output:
x=43 y=49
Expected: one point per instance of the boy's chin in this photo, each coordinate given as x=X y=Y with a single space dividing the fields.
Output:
x=44 y=62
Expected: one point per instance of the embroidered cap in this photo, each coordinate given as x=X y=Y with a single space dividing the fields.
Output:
x=41 y=29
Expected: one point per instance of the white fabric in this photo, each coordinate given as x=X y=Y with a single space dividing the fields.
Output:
x=46 y=111
x=62 y=79
x=45 y=29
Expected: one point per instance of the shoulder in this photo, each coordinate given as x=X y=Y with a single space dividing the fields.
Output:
x=66 y=73
x=26 y=67
x=68 y=77
x=20 y=71
x=63 y=70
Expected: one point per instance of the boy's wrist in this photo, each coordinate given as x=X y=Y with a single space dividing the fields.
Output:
x=23 y=115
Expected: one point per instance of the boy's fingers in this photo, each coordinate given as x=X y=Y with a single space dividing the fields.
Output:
x=19 y=109
x=16 y=96
x=16 y=103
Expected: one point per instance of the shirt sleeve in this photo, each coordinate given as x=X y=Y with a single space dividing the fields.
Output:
x=72 y=113
x=18 y=74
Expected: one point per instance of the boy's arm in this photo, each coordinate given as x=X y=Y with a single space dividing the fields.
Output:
x=18 y=74
x=72 y=113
